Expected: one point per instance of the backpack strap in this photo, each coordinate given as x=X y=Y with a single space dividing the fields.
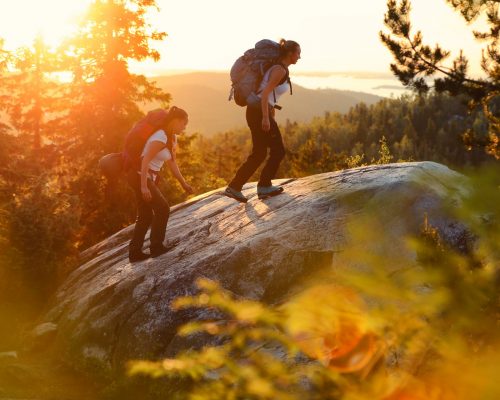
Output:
x=283 y=80
x=287 y=74
x=286 y=79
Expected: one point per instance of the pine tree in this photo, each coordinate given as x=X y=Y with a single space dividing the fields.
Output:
x=37 y=220
x=30 y=95
x=105 y=94
x=415 y=61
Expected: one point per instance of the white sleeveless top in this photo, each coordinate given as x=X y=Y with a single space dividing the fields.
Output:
x=163 y=155
x=278 y=90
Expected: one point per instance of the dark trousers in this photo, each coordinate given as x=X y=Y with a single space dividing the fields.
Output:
x=261 y=141
x=154 y=213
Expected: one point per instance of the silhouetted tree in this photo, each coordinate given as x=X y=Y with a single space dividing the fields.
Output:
x=414 y=61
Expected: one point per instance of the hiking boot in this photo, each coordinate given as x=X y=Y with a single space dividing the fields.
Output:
x=158 y=251
x=264 y=192
x=138 y=256
x=234 y=194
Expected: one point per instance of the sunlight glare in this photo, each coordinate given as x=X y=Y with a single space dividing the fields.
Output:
x=53 y=19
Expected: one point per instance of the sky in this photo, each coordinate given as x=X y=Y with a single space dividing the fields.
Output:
x=334 y=35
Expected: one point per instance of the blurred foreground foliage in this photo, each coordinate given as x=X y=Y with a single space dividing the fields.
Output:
x=388 y=328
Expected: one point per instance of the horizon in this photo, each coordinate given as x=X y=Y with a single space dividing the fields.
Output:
x=383 y=84
x=360 y=74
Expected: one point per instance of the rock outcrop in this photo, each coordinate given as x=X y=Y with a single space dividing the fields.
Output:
x=109 y=311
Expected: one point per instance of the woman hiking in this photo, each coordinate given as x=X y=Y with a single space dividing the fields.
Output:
x=152 y=207
x=264 y=129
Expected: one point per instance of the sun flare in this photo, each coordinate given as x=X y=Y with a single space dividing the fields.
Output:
x=23 y=20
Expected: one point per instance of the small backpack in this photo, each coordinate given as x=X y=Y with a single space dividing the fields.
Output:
x=113 y=164
x=249 y=69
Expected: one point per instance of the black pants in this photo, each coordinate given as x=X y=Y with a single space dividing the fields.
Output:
x=261 y=141
x=154 y=213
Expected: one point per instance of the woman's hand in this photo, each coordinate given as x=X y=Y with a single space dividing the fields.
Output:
x=175 y=171
x=146 y=194
x=187 y=188
x=266 y=124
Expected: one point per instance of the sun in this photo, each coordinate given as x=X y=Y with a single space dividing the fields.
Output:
x=22 y=20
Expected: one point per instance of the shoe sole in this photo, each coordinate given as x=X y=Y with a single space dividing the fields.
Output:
x=267 y=195
x=234 y=197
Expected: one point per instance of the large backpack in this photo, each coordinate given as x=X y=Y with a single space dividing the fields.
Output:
x=113 y=164
x=249 y=69
x=137 y=137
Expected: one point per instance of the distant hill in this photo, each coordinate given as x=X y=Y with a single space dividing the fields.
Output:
x=204 y=95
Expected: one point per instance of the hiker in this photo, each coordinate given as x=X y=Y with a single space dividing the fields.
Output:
x=152 y=207
x=263 y=126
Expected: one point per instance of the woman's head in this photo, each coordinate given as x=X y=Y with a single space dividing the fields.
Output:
x=289 y=51
x=177 y=120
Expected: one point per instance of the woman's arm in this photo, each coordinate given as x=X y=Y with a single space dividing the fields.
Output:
x=276 y=75
x=153 y=148
x=177 y=173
